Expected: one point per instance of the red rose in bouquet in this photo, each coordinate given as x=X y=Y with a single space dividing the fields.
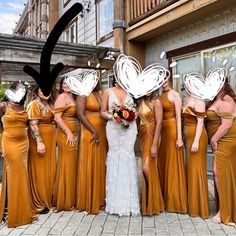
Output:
x=122 y=107
x=123 y=114
x=131 y=116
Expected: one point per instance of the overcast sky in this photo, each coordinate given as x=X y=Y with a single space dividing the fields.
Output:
x=9 y=14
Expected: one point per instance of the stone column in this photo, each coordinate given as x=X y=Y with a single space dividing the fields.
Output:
x=34 y=18
x=30 y=20
x=44 y=19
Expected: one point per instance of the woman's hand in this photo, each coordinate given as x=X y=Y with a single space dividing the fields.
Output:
x=154 y=151
x=71 y=139
x=95 y=137
x=213 y=145
x=195 y=146
x=179 y=143
x=41 y=148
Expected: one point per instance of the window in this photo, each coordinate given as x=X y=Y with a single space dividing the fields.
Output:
x=185 y=65
x=65 y=2
x=105 y=17
x=203 y=61
x=70 y=34
x=107 y=82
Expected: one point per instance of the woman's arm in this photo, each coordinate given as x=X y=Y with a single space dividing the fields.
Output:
x=157 y=133
x=199 y=107
x=198 y=133
x=104 y=112
x=80 y=105
x=60 y=102
x=225 y=106
x=2 y=112
x=34 y=126
x=178 y=110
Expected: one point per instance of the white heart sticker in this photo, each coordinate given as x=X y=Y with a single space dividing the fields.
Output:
x=137 y=82
x=15 y=95
x=205 y=88
x=82 y=83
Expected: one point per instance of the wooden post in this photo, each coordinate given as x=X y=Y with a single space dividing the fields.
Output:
x=53 y=17
x=119 y=25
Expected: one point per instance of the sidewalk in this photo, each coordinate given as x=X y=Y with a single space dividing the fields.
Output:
x=74 y=223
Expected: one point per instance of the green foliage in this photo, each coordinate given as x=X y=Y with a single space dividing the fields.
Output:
x=3 y=88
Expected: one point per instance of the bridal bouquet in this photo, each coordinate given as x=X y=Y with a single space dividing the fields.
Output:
x=123 y=114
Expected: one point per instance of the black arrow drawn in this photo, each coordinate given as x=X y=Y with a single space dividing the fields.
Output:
x=46 y=78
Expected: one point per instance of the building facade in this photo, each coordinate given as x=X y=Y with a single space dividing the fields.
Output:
x=91 y=27
x=34 y=20
x=198 y=35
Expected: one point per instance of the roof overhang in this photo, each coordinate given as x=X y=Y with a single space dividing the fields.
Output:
x=17 y=51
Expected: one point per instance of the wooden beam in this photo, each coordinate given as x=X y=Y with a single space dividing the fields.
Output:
x=53 y=17
x=119 y=29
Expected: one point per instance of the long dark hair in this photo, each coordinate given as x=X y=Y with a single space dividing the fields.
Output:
x=60 y=88
x=14 y=86
x=36 y=95
x=113 y=81
x=226 y=90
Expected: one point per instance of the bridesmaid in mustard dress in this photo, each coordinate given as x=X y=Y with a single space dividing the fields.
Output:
x=221 y=128
x=170 y=159
x=15 y=192
x=42 y=152
x=150 y=115
x=196 y=152
x=92 y=154
x=67 y=141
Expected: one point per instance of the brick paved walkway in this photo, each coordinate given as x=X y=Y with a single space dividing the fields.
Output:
x=74 y=223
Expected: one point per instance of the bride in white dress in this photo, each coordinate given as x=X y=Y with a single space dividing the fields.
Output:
x=122 y=195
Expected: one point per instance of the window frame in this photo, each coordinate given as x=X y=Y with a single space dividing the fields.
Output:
x=75 y=23
x=65 y=3
x=203 y=67
x=100 y=39
x=107 y=81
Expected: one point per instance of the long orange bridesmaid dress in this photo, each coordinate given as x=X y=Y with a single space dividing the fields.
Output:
x=152 y=201
x=65 y=184
x=42 y=169
x=225 y=157
x=198 y=196
x=170 y=161
x=91 y=164
x=15 y=193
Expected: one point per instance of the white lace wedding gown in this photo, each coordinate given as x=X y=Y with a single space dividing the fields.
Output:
x=122 y=196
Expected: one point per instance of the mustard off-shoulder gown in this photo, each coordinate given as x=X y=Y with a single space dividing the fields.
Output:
x=91 y=164
x=198 y=196
x=152 y=201
x=170 y=161
x=225 y=157
x=15 y=187
x=65 y=185
x=42 y=169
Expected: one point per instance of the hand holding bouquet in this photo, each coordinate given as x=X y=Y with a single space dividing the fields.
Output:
x=123 y=114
